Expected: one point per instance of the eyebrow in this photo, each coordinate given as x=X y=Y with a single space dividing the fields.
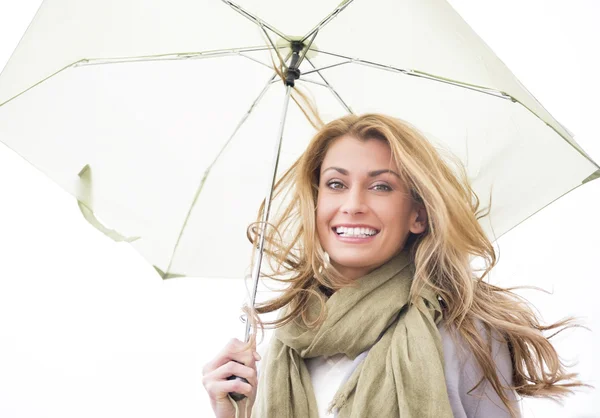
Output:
x=374 y=173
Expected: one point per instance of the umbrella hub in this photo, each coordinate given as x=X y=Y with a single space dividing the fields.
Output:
x=299 y=50
x=293 y=72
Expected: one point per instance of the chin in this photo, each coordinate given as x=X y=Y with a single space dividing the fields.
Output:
x=359 y=259
x=352 y=261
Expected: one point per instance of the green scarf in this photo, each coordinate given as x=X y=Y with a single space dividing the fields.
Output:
x=402 y=374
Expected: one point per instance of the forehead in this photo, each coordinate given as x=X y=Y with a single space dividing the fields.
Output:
x=359 y=155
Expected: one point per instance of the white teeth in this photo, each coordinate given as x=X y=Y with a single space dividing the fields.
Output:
x=355 y=232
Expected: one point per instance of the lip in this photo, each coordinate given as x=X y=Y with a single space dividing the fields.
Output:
x=355 y=226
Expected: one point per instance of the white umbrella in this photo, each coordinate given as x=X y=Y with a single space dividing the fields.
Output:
x=161 y=117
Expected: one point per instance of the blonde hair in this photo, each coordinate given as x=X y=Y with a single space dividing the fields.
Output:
x=441 y=254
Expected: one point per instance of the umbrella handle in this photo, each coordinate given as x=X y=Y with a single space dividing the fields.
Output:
x=234 y=395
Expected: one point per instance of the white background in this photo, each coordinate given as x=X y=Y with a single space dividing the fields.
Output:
x=88 y=329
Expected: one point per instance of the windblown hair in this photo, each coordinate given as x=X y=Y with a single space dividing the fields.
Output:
x=477 y=310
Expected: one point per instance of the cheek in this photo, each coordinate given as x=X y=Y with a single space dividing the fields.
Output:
x=320 y=217
x=324 y=214
x=394 y=217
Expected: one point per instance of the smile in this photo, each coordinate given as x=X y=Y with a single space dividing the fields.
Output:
x=355 y=232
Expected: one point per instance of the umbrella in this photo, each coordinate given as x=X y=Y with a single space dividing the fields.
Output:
x=161 y=118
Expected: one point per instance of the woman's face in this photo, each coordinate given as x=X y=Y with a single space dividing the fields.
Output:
x=364 y=211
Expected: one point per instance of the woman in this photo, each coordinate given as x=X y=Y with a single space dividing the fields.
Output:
x=383 y=314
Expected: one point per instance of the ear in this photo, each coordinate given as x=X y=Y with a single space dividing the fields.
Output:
x=418 y=219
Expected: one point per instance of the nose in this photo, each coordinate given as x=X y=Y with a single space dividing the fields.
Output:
x=354 y=202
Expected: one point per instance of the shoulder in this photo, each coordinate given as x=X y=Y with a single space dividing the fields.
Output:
x=463 y=373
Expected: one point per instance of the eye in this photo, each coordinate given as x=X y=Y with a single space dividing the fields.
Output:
x=335 y=184
x=382 y=188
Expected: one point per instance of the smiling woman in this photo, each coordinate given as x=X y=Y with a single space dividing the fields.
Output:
x=383 y=314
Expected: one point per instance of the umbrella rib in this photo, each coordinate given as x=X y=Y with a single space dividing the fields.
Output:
x=208 y=169
x=481 y=89
x=306 y=49
x=281 y=60
x=256 y=60
x=574 y=144
x=255 y=19
x=305 y=80
x=39 y=82
x=331 y=89
x=327 y=19
x=414 y=73
x=474 y=87
x=318 y=70
x=175 y=57
x=148 y=58
x=271 y=80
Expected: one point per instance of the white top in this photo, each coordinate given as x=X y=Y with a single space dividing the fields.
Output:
x=461 y=371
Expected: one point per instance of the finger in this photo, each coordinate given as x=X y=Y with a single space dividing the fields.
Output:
x=219 y=389
x=231 y=369
x=235 y=369
x=234 y=350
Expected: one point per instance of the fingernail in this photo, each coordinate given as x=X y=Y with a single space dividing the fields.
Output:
x=256 y=356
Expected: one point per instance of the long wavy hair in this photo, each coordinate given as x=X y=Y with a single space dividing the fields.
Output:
x=442 y=255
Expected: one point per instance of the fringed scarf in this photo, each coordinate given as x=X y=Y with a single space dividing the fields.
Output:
x=402 y=374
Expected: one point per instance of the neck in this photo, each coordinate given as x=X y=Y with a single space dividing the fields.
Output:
x=353 y=273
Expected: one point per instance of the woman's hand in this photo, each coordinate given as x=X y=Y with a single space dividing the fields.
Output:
x=239 y=359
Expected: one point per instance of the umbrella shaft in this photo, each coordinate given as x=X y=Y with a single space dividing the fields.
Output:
x=265 y=217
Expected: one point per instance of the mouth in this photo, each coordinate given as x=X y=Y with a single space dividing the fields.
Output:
x=355 y=232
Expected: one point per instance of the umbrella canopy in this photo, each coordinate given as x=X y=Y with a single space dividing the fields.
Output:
x=160 y=117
